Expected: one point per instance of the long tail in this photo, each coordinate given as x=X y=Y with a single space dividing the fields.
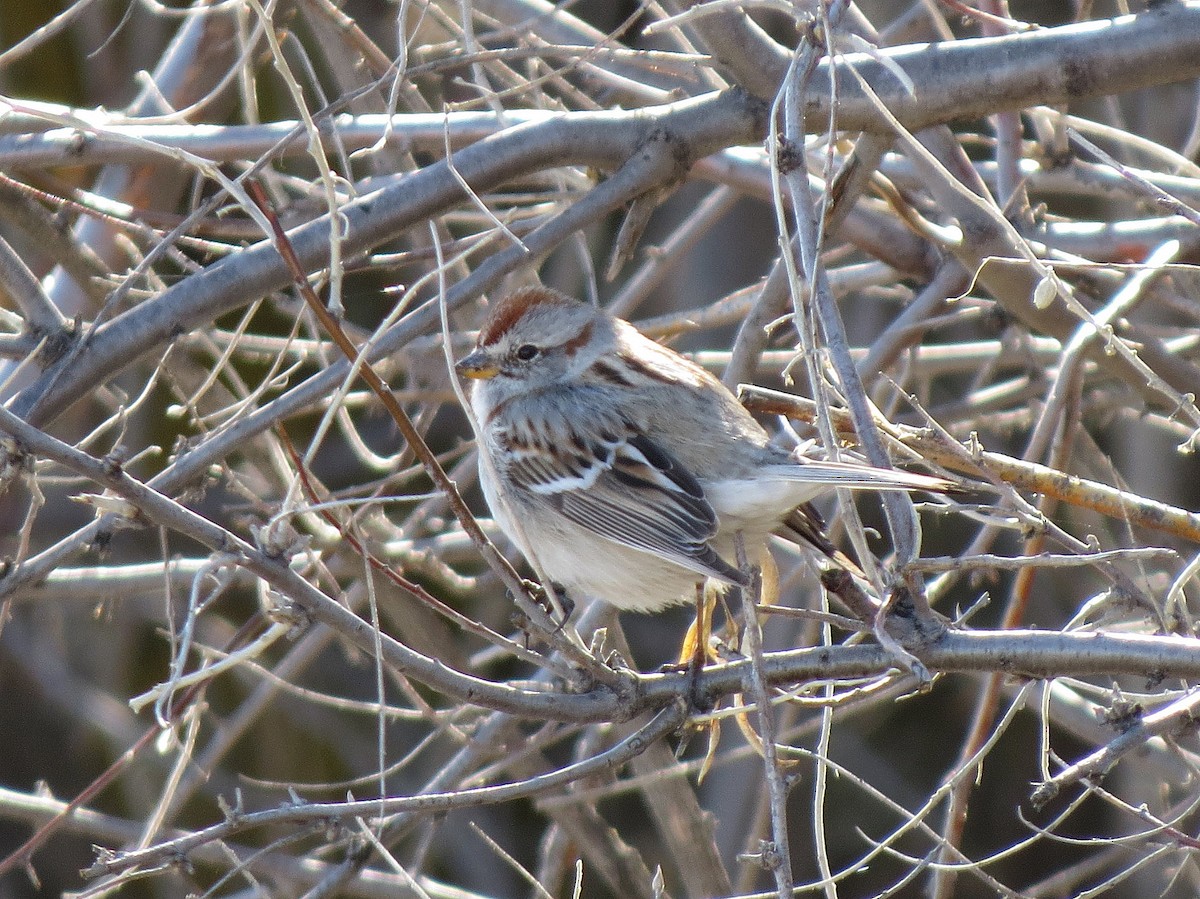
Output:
x=864 y=477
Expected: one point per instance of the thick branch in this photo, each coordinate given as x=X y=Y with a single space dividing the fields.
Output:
x=603 y=140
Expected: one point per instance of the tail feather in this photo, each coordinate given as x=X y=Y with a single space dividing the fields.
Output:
x=864 y=477
x=806 y=523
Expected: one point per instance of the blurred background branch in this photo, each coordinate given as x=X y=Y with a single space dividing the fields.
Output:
x=969 y=245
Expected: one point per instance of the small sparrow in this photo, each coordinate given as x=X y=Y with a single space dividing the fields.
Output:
x=622 y=470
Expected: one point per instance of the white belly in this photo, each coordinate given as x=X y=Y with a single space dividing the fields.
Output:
x=591 y=567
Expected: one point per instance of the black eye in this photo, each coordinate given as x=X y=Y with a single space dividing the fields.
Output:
x=526 y=351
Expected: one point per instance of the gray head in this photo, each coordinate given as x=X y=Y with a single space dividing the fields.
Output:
x=537 y=337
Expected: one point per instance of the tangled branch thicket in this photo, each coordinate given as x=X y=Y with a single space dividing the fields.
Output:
x=253 y=642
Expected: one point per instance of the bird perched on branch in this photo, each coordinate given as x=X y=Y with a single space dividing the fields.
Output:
x=622 y=470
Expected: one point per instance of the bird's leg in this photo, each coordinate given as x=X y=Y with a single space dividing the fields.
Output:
x=768 y=571
x=703 y=630
x=699 y=633
x=695 y=651
x=768 y=594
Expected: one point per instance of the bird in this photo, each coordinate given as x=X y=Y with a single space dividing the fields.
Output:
x=623 y=471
